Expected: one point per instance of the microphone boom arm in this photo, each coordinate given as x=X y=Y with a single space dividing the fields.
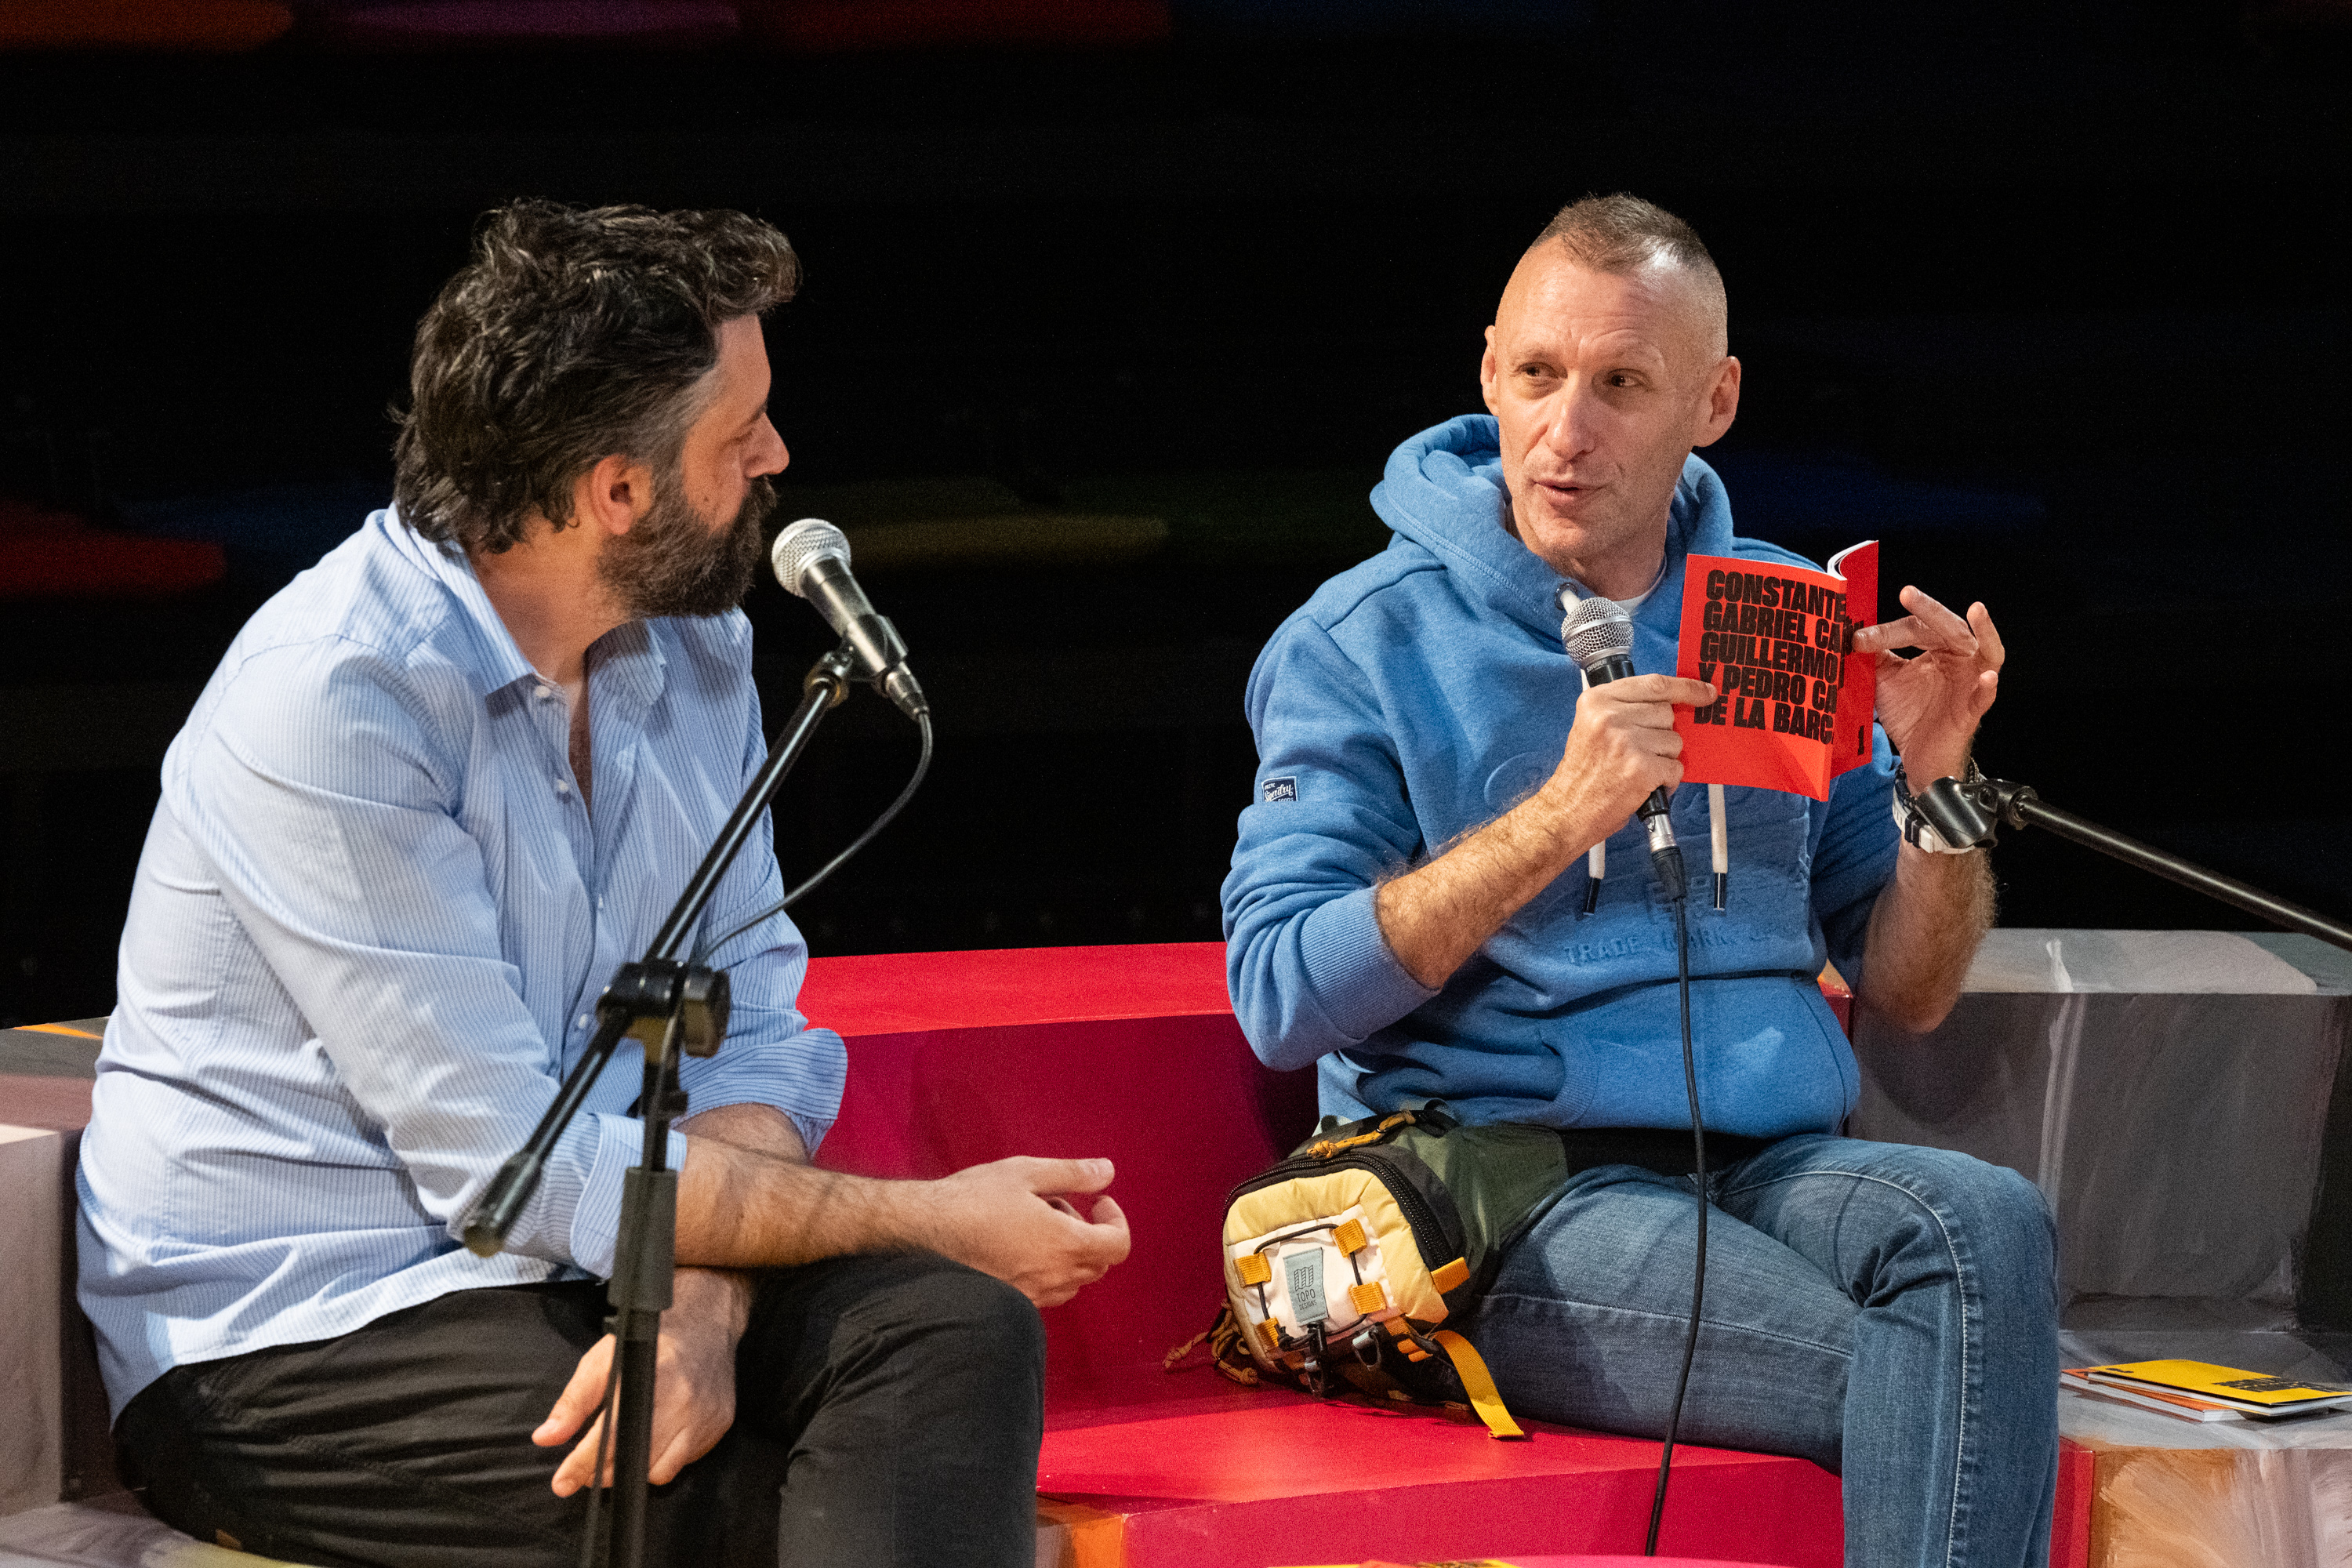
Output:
x=2017 y=806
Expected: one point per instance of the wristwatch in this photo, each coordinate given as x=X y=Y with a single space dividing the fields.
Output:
x=1951 y=802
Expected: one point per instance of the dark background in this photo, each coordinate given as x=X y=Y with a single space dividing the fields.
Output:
x=2055 y=306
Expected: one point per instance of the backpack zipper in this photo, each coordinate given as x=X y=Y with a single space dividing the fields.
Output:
x=1428 y=1232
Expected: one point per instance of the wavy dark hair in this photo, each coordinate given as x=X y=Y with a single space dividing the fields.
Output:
x=575 y=334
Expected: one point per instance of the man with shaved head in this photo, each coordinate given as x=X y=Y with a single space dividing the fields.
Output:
x=1410 y=911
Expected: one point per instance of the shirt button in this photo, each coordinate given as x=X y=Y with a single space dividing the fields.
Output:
x=583 y=1020
x=562 y=786
x=543 y=692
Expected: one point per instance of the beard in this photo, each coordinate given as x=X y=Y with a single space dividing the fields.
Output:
x=671 y=563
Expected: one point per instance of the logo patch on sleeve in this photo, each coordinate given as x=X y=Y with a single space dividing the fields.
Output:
x=1280 y=789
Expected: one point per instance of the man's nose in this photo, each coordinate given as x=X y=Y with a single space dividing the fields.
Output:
x=1567 y=428
x=769 y=455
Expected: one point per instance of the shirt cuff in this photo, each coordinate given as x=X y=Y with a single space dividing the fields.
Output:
x=810 y=1127
x=596 y=1218
x=1361 y=986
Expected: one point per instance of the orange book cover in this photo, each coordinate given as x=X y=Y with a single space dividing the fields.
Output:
x=1794 y=710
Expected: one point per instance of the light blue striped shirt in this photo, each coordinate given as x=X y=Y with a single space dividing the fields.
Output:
x=365 y=942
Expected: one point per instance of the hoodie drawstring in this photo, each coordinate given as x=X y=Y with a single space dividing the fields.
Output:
x=1720 y=841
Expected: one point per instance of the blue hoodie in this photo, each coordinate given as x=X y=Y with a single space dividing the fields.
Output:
x=1419 y=695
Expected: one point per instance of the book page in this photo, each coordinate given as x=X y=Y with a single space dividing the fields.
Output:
x=1795 y=711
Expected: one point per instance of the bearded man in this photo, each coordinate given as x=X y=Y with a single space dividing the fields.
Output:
x=439 y=788
x=1408 y=912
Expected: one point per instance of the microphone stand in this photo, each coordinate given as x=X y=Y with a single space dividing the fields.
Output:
x=1968 y=812
x=669 y=1006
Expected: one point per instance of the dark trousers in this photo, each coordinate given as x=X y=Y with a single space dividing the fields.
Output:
x=887 y=1410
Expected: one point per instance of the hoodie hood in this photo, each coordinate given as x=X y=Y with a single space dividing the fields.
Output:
x=1444 y=490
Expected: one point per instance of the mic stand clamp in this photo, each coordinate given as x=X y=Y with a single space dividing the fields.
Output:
x=669 y=1006
x=1947 y=811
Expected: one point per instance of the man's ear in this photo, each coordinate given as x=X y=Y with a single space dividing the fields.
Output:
x=1486 y=375
x=1721 y=406
x=613 y=494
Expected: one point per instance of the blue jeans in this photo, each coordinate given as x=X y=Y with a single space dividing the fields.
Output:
x=1888 y=1312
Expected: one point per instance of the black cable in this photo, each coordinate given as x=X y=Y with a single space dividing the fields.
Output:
x=1698 y=1278
x=922 y=766
x=588 y=1552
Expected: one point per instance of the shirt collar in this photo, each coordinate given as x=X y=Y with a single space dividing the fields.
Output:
x=629 y=660
x=626 y=663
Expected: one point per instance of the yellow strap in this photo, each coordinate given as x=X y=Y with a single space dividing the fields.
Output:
x=1349 y=1238
x=1324 y=1148
x=1253 y=1269
x=1450 y=1276
x=1478 y=1385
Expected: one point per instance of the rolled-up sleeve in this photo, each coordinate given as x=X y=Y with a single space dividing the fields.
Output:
x=772 y=1055
x=315 y=792
x=1307 y=965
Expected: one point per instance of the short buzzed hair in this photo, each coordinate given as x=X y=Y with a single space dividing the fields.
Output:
x=1622 y=234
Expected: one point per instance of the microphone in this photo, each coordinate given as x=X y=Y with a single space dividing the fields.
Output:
x=1599 y=634
x=811 y=560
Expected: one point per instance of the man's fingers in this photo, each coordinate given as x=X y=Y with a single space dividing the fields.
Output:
x=1951 y=630
x=1929 y=624
x=1096 y=1245
x=1637 y=691
x=1101 y=1247
x=676 y=1449
x=581 y=1463
x=1110 y=1224
x=1050 y=1176
x=1888 y=636
x=580 y=1396
x=1989 y=651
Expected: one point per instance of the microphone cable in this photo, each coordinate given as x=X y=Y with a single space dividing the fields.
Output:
x=1698 y=1158
x=914 y=782
x=589 y=1540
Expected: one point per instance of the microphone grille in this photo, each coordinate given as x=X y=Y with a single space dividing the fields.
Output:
x=802 y=544
x=1593 y=629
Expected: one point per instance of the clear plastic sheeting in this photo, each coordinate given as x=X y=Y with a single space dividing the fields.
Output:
x=2167 y=1091
x=2150 y=963
x=110 y=1533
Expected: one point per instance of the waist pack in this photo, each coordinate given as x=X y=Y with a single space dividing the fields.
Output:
x=1349 y=1256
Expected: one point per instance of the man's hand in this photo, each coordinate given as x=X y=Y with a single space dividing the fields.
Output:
x=743 y=1207
x=1931 y=704
x=1621 y=746
x=1928 y=921
x=694 y=1382
x=1010 y=1219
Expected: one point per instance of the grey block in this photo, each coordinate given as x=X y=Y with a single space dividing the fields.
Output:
x=2168 y=1092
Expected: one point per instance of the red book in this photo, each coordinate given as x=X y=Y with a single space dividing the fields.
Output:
x=1795 y=710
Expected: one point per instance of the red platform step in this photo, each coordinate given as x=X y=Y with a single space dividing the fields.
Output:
x=1133 y=1052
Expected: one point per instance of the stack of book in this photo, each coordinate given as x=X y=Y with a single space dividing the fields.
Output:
x=2200 y=1391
